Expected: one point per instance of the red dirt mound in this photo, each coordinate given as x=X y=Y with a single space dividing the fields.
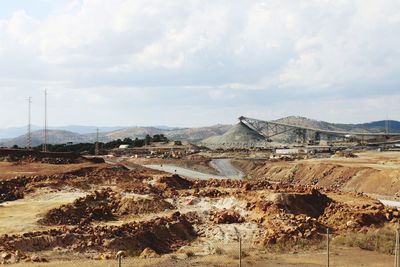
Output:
x=175 y=181
x=226 y=216
x=98 y=206
x=134 y=205
x=310 y=203
x=12 y=189
x=162 y=235
x=341 y=216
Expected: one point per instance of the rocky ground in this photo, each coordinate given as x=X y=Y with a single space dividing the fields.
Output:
x=368 y=172
x=139 y=210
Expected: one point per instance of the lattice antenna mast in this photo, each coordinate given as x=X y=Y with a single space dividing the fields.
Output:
x=45 y=122
x=29 y=134
x=96 y=148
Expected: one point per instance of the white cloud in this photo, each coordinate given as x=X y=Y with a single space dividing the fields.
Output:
x=228 y=50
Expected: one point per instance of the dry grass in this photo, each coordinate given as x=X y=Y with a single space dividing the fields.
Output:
x=300 y=245
x=381 y=240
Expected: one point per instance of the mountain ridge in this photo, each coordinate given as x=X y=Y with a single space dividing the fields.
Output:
x=62 y=136
x=192 y=134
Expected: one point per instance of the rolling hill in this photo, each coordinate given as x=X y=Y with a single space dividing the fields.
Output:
x=238 y=133
x=62 y=136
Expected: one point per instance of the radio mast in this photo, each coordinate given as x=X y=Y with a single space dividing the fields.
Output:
x=45 y=122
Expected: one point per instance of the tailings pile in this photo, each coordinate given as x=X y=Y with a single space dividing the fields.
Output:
x=239 y=136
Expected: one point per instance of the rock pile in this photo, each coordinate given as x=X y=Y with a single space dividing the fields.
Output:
x=161 y=235
x=291 y=227
x=226 y=216
x=239 y=136
x=12 y=189
x=212 y=193
x=141 y=205
x=340 y=216
x=175 y=182
x=99 y=206
x=311 y=203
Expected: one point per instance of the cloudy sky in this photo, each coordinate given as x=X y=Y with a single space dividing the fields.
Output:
x=198 y=62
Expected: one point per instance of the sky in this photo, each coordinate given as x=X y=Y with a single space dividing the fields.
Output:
x=198 y=62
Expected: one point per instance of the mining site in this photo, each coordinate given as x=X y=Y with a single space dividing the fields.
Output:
x=180 y=133
x=236 y=198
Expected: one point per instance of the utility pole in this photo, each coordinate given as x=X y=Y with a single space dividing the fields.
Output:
x=29 y=134
x=96 y=148
x=45 y=122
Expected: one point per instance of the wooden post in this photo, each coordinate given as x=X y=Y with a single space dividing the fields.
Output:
x=327 y=247
x=240 y=251
x=396 y=249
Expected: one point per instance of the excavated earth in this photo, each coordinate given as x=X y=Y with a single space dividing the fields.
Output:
x=369 y=172
x=139 y=210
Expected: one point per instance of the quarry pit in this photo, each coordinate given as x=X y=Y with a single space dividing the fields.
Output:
x=94 y=210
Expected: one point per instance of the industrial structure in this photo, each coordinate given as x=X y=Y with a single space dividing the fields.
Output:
x=270 y=129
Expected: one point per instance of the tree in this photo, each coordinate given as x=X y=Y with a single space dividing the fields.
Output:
x=147 y=140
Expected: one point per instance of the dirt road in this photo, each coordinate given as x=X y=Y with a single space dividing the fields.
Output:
x=390 y=203
x=223 y=166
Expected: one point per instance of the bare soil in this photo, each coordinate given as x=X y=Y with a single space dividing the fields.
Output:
x=11 y=169
x=370 y=172
x=94 y=211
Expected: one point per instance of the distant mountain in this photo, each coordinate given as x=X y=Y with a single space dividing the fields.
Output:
x=54 y=137
x=370 y=127
x=12 y=132
x=86 y=129
x=184 y=134
x=63 y=136
x=197 y=134
x=77 y=134
x=376 y=126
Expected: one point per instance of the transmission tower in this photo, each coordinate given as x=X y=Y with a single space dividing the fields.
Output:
x=96 y=148
x=29 y=134
x=45 y=122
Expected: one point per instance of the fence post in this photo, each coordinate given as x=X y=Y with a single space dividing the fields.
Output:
x=240 y=251
x=327 y=247
x=119 y=258
x=396 y=249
